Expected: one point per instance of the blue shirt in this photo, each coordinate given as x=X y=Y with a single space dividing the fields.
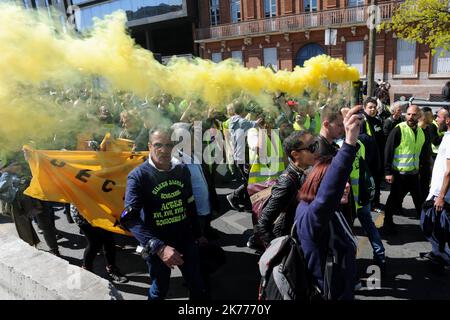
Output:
x=313 y=229
x=160 y=207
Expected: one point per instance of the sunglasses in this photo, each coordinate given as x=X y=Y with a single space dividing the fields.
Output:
x=312 y=147
x=160 y=145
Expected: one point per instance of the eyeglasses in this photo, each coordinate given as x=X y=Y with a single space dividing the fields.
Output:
x=312 y=147
x=160 y=145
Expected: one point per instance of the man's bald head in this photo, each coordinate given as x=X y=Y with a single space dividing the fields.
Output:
x=413 y=114
x=443 y=120
x=413 y=108
x=443 y=112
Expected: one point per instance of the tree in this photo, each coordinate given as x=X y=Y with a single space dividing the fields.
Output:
x=424 y=21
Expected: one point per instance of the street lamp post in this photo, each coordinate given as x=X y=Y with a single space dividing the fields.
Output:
x=372 y=49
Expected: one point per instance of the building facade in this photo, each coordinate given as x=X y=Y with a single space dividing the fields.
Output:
x=285 y=33
x=59 y=6
x=165 y=27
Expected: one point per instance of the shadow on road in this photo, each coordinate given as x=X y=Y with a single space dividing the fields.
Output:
x=407 y=278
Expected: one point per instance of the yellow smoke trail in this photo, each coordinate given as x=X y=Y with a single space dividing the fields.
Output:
x=35 y=53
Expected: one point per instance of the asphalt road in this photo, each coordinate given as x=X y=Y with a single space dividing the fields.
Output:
x=407 y=277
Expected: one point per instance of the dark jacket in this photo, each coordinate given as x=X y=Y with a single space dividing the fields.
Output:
x=313 y=228
x=390 y=124
x=393 y=142
x=160 y=207
x=376 y=131
x=281 y=204
x=435 y=139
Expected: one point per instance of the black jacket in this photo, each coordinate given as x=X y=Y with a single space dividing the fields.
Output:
x=394 y=141
x=390 y=124
x=281 y=205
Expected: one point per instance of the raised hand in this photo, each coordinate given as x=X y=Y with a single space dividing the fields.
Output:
x=352 y=123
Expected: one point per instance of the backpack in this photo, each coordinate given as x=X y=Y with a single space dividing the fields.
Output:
x=284 y=272
x=260 y=194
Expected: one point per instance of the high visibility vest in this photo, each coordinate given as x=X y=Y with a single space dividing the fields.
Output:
x=262 y=172
x=227 y=144
x=354 y=175
x=368 y=130
x=406 y=155
x=317 y=123
x=434 y=148
x=306 y=124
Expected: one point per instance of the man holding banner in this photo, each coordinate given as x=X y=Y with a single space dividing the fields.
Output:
x=161 y=214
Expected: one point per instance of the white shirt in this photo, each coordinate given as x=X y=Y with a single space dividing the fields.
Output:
x=440 y=167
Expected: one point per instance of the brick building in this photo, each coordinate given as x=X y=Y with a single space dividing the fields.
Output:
x=285 y=33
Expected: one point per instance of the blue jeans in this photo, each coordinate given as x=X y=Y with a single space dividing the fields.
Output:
x=160 y=274
x=365 y=218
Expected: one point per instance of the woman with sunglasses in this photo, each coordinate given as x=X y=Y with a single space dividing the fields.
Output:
x=326 y=239
x=278 y=214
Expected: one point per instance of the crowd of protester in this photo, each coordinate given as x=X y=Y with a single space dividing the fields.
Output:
x=325 y=167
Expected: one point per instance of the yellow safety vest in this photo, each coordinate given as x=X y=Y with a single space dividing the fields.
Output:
x=227 y=145
x=306 y=125
x=406 y=155
x=368 y=130
x=354 y=175
x=262 y=172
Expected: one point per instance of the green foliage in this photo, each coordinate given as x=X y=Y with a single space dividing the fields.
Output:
x=424 y=21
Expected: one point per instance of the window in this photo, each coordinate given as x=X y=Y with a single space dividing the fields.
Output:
x=310 y=5
x=270 y=8
x=406 y=57
x=216 y=57
x=215 y=16
x=235 y=11
x=355 y=55
x=355 y=3
x=237 y=55
x=134 y=9
x=270 y=58
x=441 y=64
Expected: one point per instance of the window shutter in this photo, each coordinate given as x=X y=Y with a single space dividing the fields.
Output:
x=237 y=55
x=441 y=64
x=406 y=57
x=251 y=9
x=270 y=57
x=355 y=55
x=216 y=57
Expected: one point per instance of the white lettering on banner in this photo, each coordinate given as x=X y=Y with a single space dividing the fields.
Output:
x=215 y=148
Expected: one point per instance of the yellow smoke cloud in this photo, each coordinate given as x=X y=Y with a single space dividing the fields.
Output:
x=35 y=52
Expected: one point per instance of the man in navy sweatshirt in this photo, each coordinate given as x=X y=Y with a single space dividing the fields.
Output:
x=161 y=213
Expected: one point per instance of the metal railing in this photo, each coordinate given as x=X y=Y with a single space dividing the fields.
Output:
x=298 y=22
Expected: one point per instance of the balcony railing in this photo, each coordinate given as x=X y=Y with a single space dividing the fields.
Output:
x=303 y=21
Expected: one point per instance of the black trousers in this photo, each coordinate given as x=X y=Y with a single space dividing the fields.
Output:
x=400 y=187
x=377 y=181
x=425 y=180
x=98 y=239
x=241 y=192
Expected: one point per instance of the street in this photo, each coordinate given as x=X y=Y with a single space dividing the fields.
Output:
x=408 y=276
